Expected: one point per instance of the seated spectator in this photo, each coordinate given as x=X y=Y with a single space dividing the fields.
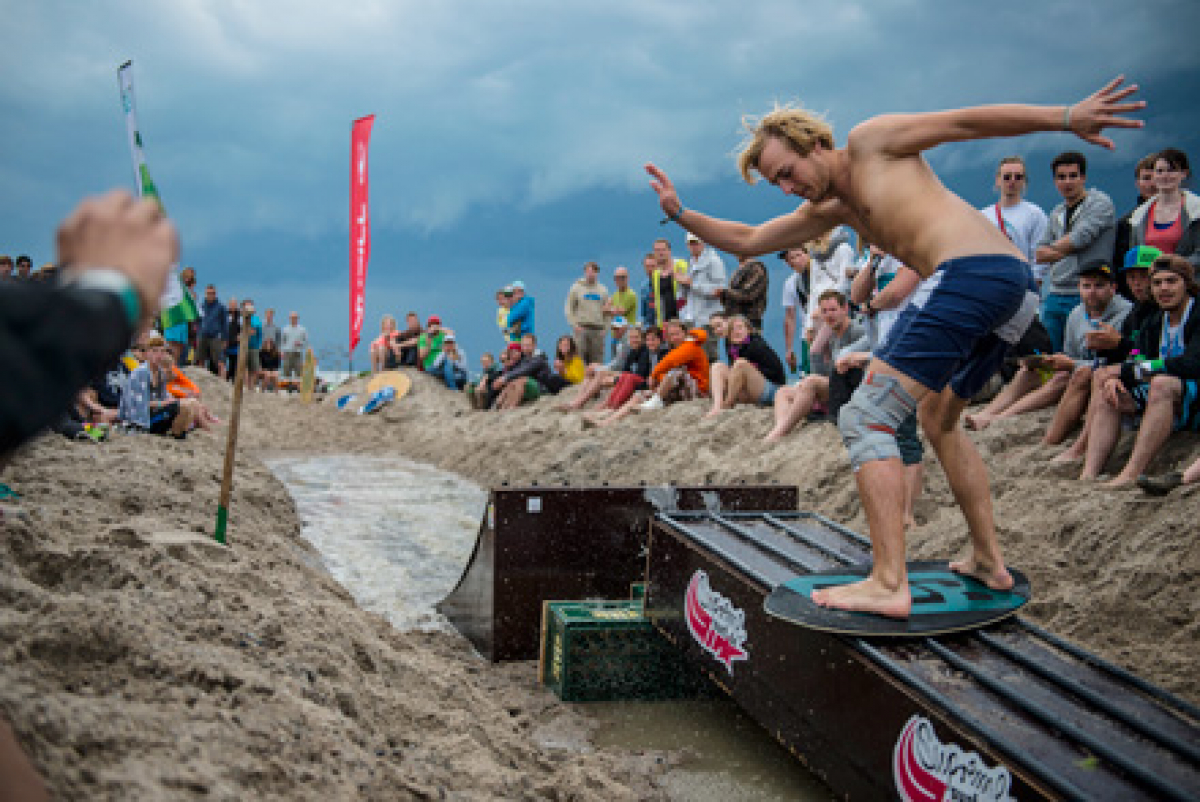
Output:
x=488 y=371
x=598 y=376
x=680 y=375
x=567 y=362
x=1169 y=221
x=146 y=404
x=181 y=387
x=270 y=359
x=405 y=345
x=429 y=344
x=1117 y=344
x=1162 y=381
x=483 y=395
x=1043 y=379
x=794 y=404
x=754 y=372
x=525 y=380
x=381 y=346
x=1161 y=485
x=451 y=364
x=634 y=371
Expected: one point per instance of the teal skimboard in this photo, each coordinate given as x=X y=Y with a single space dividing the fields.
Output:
x=942 y=602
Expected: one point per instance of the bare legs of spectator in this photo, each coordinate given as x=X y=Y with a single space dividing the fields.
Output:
x=596 y=379
x=793 y=404
x=607 y=417
x=1070 y=408
x=1024 y=393
x=718 y=377
x=189 y=410
x=1078 y=449
x=745 y=384
x=510 y=396
x=1157 y=421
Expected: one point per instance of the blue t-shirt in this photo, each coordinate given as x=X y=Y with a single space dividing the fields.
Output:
x=256 y=333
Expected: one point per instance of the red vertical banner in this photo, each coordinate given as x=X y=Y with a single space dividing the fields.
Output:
x=360 y=225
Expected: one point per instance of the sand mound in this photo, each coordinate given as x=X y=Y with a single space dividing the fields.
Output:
x=140 y=660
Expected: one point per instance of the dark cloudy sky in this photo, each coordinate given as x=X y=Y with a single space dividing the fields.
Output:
x=510 y=137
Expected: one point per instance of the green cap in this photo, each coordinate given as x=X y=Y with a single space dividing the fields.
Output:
x=1141 y=256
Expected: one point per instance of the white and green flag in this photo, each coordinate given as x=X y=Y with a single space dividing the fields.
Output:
x=176 y=305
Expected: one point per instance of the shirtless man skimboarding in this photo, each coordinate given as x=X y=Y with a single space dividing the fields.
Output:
x=945 y=346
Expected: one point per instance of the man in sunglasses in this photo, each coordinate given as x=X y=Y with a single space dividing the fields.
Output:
x=1021 y=221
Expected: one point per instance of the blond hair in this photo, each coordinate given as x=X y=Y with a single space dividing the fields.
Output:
x=800 y=129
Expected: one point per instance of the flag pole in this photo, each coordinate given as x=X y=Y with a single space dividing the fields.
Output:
x=231 y=439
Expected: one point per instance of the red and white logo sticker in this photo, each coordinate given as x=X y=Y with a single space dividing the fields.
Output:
x=927 y=770
x=714 y=622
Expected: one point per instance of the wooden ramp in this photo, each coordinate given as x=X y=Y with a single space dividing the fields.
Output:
x=1009 y=711
x=539 y=544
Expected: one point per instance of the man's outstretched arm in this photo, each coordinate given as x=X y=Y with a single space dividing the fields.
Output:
x=909 y=134
x=788 y=230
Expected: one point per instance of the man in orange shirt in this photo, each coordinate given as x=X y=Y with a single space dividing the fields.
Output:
x=682 y=374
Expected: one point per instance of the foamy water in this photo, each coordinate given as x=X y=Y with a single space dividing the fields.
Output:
x=395 y=533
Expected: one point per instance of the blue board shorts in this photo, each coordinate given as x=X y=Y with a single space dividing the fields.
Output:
x=962 y=322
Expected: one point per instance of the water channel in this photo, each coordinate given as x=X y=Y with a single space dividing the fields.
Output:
x=397 y=535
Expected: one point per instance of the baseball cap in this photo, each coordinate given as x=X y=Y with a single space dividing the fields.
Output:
x=434 y=319
x=449 y=338
x=1097 y=267
x=513 y=347
x=619 y=322
x=518 y=285
x=692 y=237
x=1140 y=256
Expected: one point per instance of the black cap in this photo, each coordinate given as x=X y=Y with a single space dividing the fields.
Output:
x=1099 y=268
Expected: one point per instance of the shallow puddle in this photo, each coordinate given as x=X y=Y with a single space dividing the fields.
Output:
x=397 y=535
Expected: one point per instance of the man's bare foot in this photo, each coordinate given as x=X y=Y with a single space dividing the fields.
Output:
x=995 y=577
x=712 y=413
x=978 y=421
x=1120 y=482
x=773 y=437
x=867 y=596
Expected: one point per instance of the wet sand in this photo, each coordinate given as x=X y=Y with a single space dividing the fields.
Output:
x=140 y=660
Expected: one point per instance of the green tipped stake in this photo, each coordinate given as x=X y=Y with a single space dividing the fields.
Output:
x=231 y=443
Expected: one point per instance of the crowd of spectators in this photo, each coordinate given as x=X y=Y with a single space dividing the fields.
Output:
x=147 y=390
x=1115 y=343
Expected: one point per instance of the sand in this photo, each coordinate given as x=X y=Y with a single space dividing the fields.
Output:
x=139 y=660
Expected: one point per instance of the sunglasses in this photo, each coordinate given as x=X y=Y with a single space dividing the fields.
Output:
x=1013 y=176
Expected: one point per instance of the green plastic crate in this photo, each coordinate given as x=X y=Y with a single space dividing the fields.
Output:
x=595 y=651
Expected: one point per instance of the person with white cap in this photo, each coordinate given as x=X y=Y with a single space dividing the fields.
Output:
x=704 y=280
x=451 y=364
x=520 y=314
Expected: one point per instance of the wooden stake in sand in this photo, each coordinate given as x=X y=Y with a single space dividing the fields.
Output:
x=309 y=378
x=231 y=442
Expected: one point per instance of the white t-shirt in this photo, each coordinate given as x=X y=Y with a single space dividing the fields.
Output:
x=1024 y=224
x=827 y=274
